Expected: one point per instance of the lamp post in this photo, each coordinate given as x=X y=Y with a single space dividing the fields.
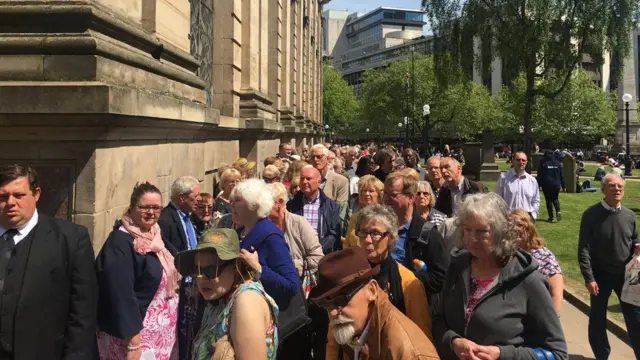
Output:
x=426 y=110
x=367 y=135
x=406 y=132
x=412 y=48
x=406 y=110
x=626 y=98
x=400 y=130
x=326 y=132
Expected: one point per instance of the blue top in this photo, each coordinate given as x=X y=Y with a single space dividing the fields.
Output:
x=398 y=252
x=279 y=276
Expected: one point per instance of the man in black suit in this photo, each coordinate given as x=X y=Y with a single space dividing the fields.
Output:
x=179 y=234
x=456 y=187
x=49 y=289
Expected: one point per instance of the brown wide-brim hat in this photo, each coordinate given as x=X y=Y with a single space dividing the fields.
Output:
x=340 y=269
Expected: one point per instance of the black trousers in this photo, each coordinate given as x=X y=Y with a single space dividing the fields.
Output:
x=551 y=197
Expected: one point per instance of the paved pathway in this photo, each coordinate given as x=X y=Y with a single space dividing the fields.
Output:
x=575 y=324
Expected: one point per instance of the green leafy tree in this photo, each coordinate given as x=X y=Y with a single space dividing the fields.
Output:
x=539 y=38
x=582 y=112
x=339 y=106
x=459 y=108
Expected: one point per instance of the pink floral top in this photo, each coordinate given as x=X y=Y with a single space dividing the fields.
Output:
x=477 y=288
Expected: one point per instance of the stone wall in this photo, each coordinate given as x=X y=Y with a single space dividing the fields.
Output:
x=102 y=94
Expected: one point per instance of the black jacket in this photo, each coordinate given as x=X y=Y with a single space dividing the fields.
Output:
x=425 y=242
x=52 y=295
x=173 y=234
x=328 y=224
x=445 y=202
x=128 y=282
x=550 y=175
x=516 y=313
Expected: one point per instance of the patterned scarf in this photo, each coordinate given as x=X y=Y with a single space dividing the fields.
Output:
x=146 y=242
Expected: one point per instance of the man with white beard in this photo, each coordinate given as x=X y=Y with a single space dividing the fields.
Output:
x=362 y=319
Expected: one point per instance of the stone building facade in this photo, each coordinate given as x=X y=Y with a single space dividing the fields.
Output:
x=100 y=94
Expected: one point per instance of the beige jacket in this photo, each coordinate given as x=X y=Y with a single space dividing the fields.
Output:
x=303 y=242
x=336 y=187
x=392 y=336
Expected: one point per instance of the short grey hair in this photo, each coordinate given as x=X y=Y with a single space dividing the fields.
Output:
x=183 y=185
x=610 y=176
x=325 y=151
x=278 y=191
x=493 y=210
x=381 y=213
x=255 y=194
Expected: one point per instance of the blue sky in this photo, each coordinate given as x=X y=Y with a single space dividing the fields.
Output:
x=368 y=5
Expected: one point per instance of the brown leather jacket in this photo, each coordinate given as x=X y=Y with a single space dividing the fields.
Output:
x=392 y=336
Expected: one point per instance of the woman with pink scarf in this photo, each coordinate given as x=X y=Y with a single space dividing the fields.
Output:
x=138 y=303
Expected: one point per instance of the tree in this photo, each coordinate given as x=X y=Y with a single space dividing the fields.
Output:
x=459 y=109
x=540 y=38
x=580 y=113
x=339 y=106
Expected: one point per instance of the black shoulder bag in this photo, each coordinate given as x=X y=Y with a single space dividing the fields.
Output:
x=295 y=315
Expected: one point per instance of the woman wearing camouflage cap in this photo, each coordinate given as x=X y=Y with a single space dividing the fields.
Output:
x=239 y=320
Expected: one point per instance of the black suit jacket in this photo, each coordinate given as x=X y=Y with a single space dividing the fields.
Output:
x=444 y=203
x=173 y=234
x=55 y=315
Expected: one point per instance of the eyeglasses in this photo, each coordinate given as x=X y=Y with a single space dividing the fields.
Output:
x=205 y=207
x=338 y=301
x=425 y=193
x=269 y=180
x=149 y=208
x=375 y=235
x=393 y=195
x=317 y=156
x=212 y=271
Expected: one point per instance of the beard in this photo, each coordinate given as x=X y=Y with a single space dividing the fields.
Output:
x=343 y=330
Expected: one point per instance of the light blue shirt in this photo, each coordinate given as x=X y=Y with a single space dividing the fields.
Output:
x=182 y=215
x=398 y=253
x=519 y=191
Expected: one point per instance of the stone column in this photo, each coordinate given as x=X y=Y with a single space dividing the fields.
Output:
x=274 y=52
x=496 y=75
x=477 y=59
x=629 y=84
x=227 y=61
x=286 y=69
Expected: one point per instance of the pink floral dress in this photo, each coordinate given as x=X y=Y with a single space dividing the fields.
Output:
x=158 y=334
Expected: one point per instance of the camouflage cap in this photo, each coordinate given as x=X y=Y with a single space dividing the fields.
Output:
x=222 y=242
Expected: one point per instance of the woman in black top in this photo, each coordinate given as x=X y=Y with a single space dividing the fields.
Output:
x=551 y=181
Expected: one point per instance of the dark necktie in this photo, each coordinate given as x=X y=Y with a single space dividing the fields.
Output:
x=7 y=244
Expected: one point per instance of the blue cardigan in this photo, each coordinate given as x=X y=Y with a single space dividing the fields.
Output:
x=279 y=276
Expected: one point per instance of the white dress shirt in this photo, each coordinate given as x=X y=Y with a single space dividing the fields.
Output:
x=24 y=229
x=519 y=191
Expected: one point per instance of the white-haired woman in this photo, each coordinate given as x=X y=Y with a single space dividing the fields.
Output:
x=262 y=243
x=494 y=302
x=298 y=233
x=425 y=203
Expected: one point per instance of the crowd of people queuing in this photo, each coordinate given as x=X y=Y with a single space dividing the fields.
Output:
x=335 y=252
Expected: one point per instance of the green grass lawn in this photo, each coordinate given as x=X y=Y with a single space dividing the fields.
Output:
x=562 y=237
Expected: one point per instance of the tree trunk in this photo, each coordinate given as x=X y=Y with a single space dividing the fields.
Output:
x=528 y=113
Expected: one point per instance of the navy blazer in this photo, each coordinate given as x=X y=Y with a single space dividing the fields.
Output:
x=328 y=223
x=279 y=276
x=127 y=283
x=175 y=239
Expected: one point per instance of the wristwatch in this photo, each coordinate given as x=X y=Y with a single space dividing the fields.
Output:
x=257 y=274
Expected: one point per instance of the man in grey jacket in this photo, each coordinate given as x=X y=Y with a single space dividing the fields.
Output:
x=608 y=239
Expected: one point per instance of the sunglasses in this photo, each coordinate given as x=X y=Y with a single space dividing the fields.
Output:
x=425 y=193
x=212 y=271
x=338 y=301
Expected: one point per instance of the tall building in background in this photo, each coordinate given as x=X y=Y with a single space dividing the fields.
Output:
x=333 y=34
x=375 y=39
